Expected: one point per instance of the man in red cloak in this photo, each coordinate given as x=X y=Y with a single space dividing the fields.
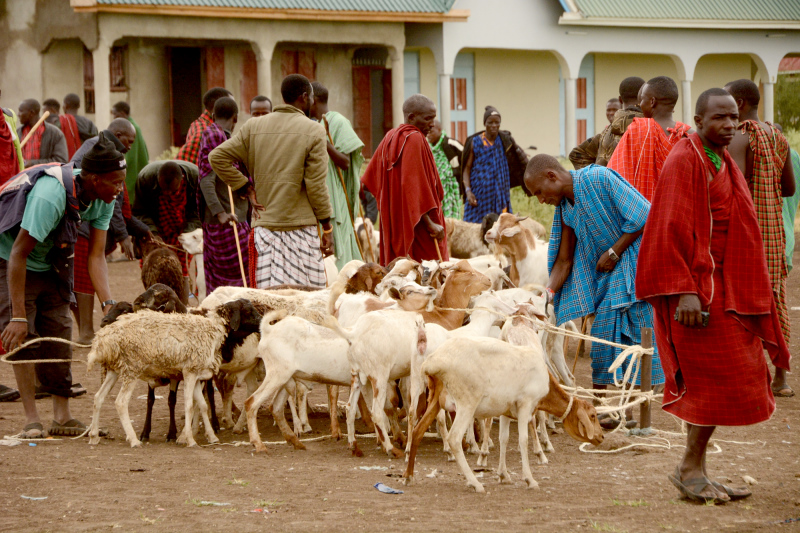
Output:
x=702 y=253
x=402 y=176
x=641 y=152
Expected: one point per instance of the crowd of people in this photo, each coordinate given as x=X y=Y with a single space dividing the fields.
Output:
x=686 y=229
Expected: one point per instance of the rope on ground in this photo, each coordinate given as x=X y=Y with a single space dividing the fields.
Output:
x=5 y=357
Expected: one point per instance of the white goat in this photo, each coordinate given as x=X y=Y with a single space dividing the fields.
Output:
x=527 y=255
x=192 y=242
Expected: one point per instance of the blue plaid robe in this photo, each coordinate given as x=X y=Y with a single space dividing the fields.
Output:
x=606 y=206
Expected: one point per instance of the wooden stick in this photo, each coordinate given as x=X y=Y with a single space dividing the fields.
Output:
x=344 y=188
x=581 y=342
x=646 y=379
x=236 y=236
x=438 y=251
x=34 y=128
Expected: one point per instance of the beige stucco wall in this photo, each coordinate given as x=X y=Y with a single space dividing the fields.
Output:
x=148 y=70
x=62 y=70
x=611 y=69
x=523 y=86
x=715 y=70
x=428 y=79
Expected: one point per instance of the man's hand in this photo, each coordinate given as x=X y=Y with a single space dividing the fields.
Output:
x=127 y=247
x=471 y=199
x=688 y=311
x=225 y=218
x=148 y=237
x=326 y=243
x=606 y=264
x=436 y=231
x=13 y=335
x=256 y=207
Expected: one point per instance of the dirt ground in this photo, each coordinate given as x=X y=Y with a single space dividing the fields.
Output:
x=161 y=486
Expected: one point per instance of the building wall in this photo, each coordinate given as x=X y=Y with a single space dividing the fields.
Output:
x=148 y=70
x=715 y=70
x=62 y=70
x=523 y=86
x=611 y=69
x=428 y=79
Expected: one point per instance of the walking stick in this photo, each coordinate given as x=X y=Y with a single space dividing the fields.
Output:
x=34 y=128
x=344 y=188
x=438 y=251
x=236 y=236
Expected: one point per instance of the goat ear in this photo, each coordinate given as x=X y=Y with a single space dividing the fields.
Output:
x=369 y=282
x=236 y=315
x=395 y=294
x=510 y=232
x=585 y=423
x=520 y=219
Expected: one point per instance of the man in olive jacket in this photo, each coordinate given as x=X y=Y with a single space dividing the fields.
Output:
x=286 y=154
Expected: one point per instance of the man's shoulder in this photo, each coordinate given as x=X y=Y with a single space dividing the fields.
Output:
x=50 y=189
x=53 y=130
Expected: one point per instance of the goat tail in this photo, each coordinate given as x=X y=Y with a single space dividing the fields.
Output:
x=331 y=323
x=270 y=318
x=337 y=289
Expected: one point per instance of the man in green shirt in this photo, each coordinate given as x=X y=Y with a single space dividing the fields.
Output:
x=35 y=297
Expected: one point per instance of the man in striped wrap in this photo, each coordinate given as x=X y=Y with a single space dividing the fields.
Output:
x=285 y=153
x=762 y=154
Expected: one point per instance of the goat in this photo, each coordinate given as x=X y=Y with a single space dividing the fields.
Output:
x=488 y=378
x=369 y=239
x=527 y=255
x=192 y=242
x=188 y=345
x=161 y=265
x=489 y=221
x=462 y=283
x=465 y=239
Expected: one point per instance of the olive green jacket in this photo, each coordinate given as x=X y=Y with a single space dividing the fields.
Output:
x=286 y=154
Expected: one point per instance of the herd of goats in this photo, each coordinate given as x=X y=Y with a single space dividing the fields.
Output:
x=463 y=336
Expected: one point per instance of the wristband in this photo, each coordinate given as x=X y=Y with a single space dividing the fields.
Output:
x=326 y=231
x=109 y=302
x=25 y=320
x=551 y=294
x=467 y=189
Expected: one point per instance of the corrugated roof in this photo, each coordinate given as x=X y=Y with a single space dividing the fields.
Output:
x=390 y=6
x=722 y=10
x=789 y=64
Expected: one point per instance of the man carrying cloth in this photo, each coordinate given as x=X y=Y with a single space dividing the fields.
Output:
x=220 y=255
x=402 y=175
x=762 y=155
x=40 y=210
x=285 y=153
x=345 y=160
x=702 y=267
x=641 y=152
x=594 y=245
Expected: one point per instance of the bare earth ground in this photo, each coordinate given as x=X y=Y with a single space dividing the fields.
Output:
x=160 y=486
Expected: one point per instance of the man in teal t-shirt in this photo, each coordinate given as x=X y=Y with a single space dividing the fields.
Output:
x=32 y=303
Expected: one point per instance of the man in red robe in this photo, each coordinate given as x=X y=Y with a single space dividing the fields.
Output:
x=641 y=152
x=404 y=179
x=702 y=268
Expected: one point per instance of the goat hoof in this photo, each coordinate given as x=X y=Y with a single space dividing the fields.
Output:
x=532 y=483
x=299 y=445
x=261 y=449
x=171 y=438
x=307 y=428
x=337 y=435
x=144 y=438
x=94 y=441
x=357 y=452
x=136 y=444
x=505 y=479
x=397 y=453
x=215 y=440
x=238 y=430
x=407 y=481
x=478 y=488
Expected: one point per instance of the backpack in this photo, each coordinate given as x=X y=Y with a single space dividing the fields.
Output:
x=13 y=199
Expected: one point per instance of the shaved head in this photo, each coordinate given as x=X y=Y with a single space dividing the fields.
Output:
x=540 y=164
x=417 y=104
x=547 y=180
x=121 y=125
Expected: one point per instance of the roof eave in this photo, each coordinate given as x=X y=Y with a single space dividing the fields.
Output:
x=91 y=6
x=575 y=19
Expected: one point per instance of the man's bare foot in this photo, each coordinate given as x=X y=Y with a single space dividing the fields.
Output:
x=85 y=338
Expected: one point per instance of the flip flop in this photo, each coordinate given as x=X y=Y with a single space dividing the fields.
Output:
x=697 y=484
x=70 y=428
x=34 y=430
x=731 y=492
x=783 y=392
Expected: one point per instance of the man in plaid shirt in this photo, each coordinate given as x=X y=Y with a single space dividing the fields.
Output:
x=190 y=151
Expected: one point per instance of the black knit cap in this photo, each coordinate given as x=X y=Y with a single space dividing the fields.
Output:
x=490 y=110
x=104 y=156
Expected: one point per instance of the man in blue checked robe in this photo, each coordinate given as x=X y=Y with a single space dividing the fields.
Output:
x=594 y=247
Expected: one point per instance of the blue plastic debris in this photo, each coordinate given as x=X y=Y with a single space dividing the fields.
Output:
x=387 y=490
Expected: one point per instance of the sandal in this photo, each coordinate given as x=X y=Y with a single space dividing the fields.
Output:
x=7 y=394
x=783 y=392
x=77 y=390
x=70 y=428
x=697 y=486
x=34 y=430
x=732 y=494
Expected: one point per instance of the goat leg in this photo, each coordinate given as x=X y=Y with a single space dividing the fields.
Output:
x=435 y=387
x=333 y=411
x=144 y=436
x=172 y=400
x=211 y=405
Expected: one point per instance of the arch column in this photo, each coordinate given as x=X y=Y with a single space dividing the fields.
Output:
x=686 y=104
x=769 y=101
x=264 y=51
x=398 y=85
x=570 y=104
x=102 y=84
x=444 y=102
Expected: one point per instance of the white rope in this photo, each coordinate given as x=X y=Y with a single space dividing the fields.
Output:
x=5 y=357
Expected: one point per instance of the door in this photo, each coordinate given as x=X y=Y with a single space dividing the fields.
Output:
x=372 y=105
x=185 y=90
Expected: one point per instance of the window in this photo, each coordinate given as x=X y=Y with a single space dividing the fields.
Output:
x=118 y=67
x=88 y=81
x=299 y=62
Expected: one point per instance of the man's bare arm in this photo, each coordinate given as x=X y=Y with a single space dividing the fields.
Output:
x=564 y=260
x=787 y=178
x=98 y=268
x=16 y=332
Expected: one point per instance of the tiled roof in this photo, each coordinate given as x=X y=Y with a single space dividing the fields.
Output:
x=692 y=10
x=390 y=6
x=789 y=64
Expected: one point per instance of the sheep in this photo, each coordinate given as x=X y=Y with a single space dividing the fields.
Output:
x=192 y=242
x=465 y=239
x=295 y=348
x=487 y=378
x=526 y=253
x=161 y=265
x=187 y=345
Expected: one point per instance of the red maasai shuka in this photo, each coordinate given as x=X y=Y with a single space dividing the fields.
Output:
x=69 y=127
x=172 y=221
x=33 y=148
x=715 y=375
x=9 y=164
x=403 y=177
x=83 y=283
x=641 y=152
